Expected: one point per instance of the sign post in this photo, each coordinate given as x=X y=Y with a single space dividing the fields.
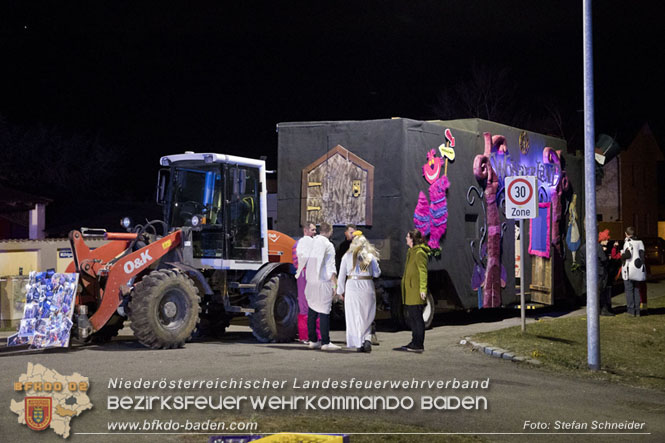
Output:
x=521 y=203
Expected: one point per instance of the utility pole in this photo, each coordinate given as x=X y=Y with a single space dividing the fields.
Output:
x=591 y=235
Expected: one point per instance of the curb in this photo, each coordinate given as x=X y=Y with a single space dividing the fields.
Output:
x=496 y=352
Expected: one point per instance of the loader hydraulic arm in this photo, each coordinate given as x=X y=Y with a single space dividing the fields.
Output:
x=118 y=269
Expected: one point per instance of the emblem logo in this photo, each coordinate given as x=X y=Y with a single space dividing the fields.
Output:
x=38 y=412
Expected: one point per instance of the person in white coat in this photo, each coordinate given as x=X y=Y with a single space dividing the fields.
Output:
x=317 y=257
x=633 y=270
x=359 y=266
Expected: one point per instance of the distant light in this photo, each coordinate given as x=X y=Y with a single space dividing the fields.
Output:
x=126 y=222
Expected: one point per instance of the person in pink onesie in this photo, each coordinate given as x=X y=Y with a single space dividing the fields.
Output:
x=309 y=230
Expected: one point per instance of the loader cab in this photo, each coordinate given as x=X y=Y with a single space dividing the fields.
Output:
x=223 y=199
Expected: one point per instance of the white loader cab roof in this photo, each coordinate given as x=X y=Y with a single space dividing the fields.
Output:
x=208 y=157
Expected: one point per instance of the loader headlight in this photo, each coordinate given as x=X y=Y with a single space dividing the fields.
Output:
x=126 y=222
x=195 y=220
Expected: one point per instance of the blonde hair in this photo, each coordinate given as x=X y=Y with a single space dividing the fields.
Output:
x=363 y=252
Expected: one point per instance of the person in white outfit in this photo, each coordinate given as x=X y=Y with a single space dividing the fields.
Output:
x=359 y=266
x=633 y=270
x=318 y=258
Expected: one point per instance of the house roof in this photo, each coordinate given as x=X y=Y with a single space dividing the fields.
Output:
x=644 y=145
x=12 y=200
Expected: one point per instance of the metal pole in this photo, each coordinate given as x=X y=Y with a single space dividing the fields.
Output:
x=522 y=282
x=593 y=335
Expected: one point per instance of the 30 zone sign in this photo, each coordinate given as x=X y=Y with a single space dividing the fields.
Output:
x=521 y=197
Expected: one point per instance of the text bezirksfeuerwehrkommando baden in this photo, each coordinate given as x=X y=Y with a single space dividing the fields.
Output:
x=373 y=396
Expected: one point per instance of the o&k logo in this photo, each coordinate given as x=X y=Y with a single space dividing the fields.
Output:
x=51 y=400
x=38 y=412
x=138 y=262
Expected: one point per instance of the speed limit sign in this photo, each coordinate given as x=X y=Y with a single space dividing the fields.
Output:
x=521 y=197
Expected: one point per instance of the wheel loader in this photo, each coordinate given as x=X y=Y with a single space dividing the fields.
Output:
x=211 y=258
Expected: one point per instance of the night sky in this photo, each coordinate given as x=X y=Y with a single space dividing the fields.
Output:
x=160 y=78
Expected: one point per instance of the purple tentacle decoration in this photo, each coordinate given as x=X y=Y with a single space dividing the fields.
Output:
x=485 y=174
x=504 y=274
x=551 y=157
x=478 y=252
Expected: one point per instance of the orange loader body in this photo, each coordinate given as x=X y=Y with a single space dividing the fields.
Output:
x=106 y=261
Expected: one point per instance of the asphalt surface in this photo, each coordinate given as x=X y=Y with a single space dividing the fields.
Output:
x=518 y=396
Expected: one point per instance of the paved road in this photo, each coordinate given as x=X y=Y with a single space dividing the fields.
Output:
x=516 y=394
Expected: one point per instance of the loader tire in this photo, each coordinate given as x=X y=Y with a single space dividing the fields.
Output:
x=275 y=317
x=109 y=330
x=164 y=309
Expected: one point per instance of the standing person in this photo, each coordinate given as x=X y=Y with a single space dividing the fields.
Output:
x=319 y=261
x=633 y=270
x=351 y=232
x=359 y=266
x=605 y=286
x=601 y=267
x=604 y=279
x=344 y=246
x=308 y=232
x=414 y=289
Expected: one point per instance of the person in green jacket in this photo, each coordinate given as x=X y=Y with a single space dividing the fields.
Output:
x=414 y=289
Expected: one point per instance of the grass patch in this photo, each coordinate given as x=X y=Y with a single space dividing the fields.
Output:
x=632 y=350
x=340 y=423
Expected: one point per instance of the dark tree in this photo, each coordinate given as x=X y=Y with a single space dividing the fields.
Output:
x=493 y=93
x=47 y=161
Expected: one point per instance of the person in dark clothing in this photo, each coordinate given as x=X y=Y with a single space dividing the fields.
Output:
x=605 y=296
x=602 y=268
x=344 y=246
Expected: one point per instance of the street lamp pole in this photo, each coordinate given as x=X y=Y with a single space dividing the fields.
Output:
x=593 y=334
